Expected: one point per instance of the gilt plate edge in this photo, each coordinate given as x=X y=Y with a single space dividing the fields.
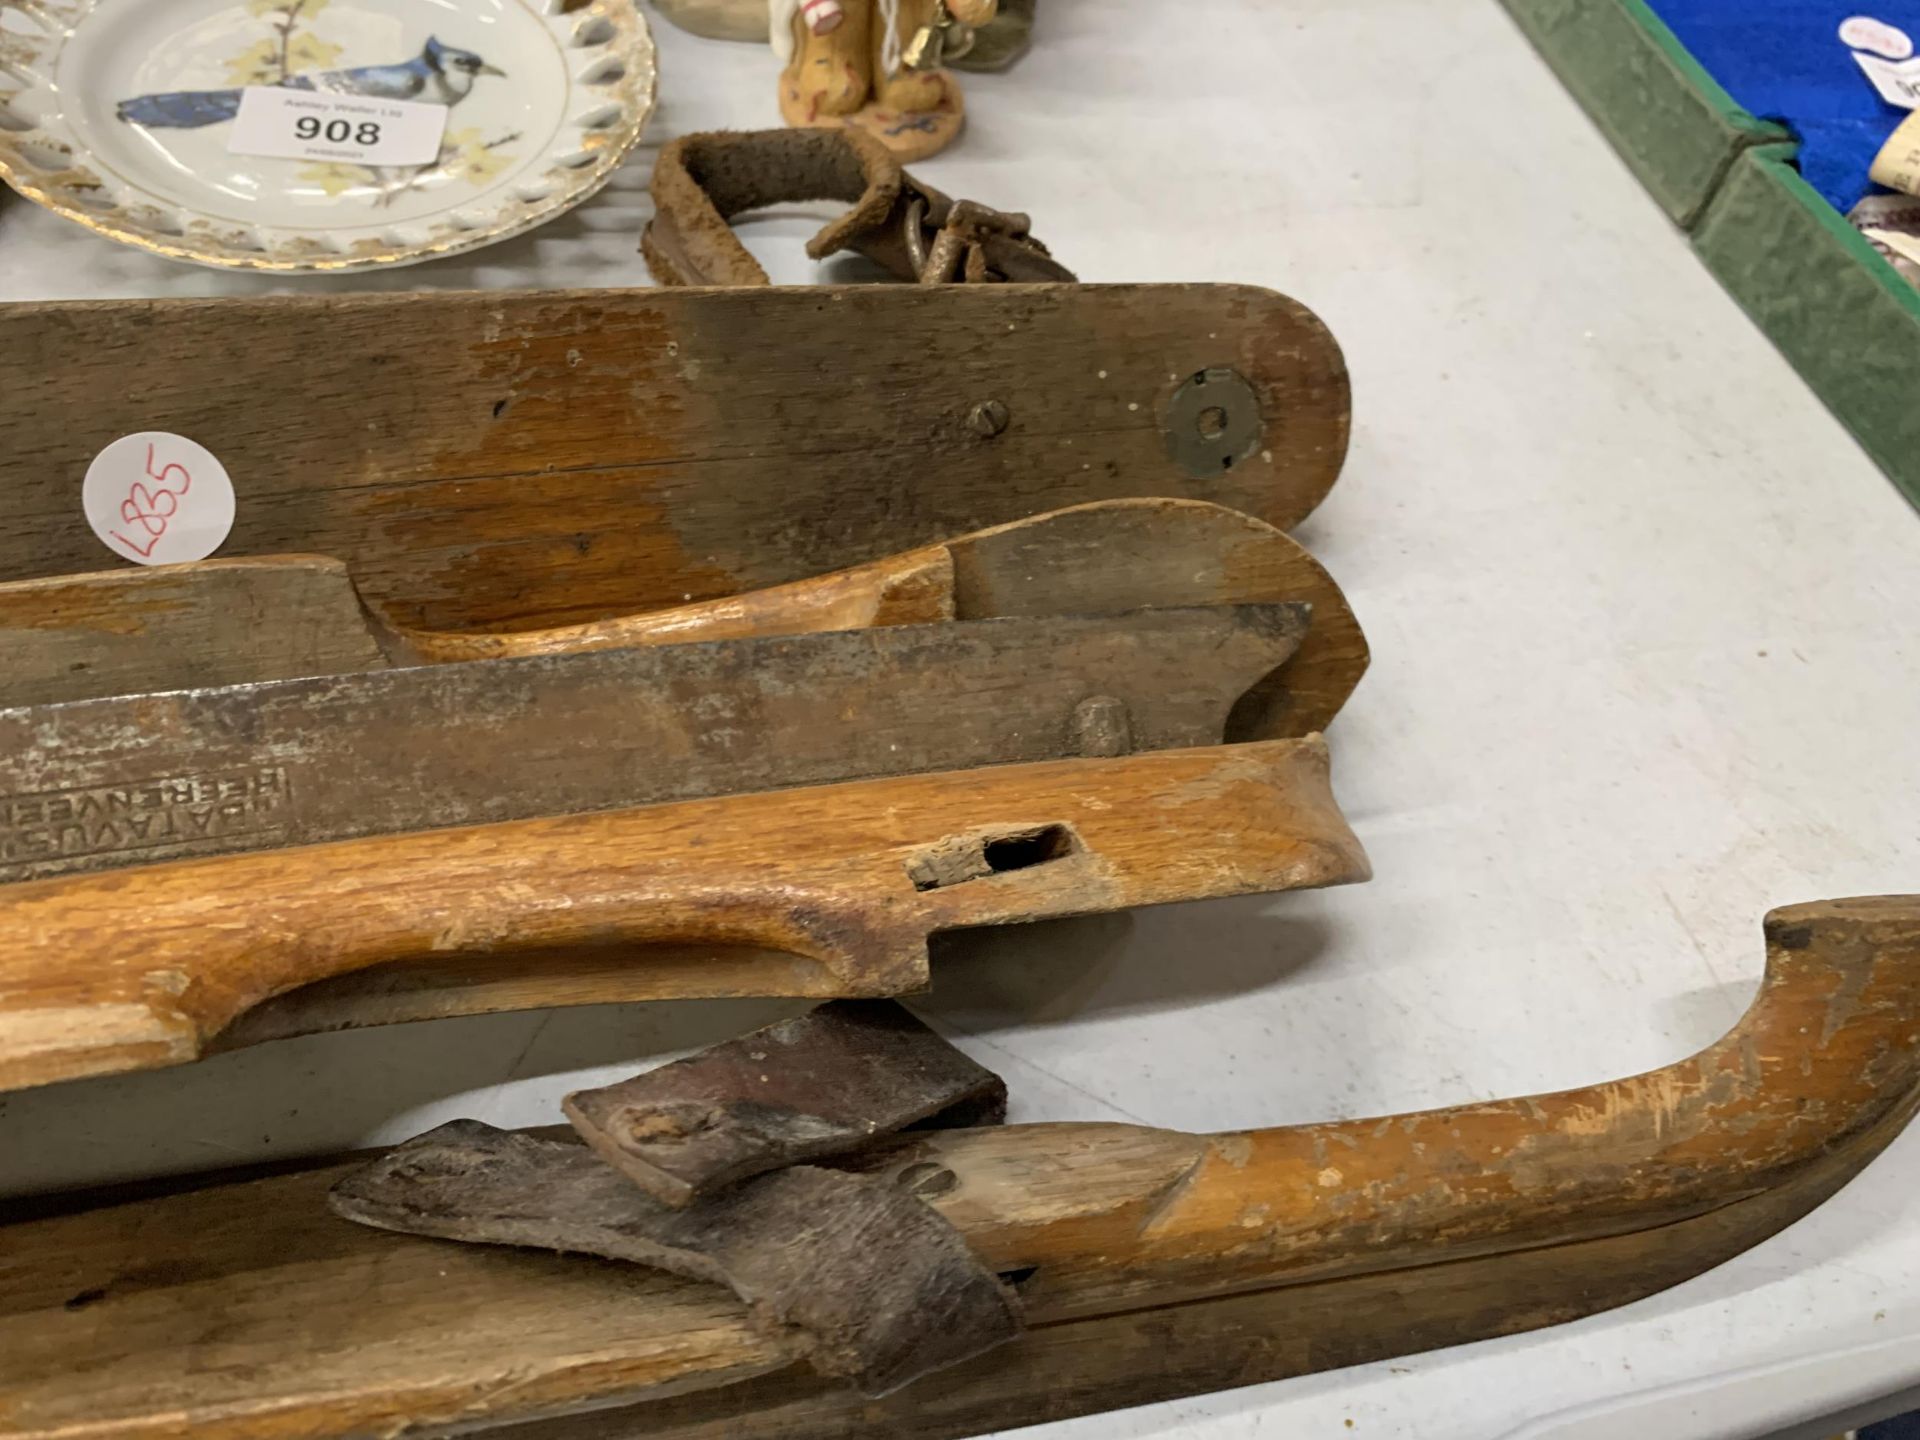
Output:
x=634 y=91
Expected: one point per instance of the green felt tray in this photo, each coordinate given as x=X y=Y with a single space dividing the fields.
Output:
x=1836 y=309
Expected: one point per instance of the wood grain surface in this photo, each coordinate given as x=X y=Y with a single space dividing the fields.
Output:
x=217 y=622
x=912 y=588
x=228 y=621
x=1093 y=559
x=138 y=779
x=487 y=461
x=245 y=1309
x=1080 y=1367
x=830 y=891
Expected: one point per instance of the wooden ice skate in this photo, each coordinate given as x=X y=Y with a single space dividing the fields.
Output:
x=1149 y=1264
x=488 y=462
x=230 y=622
x=830 y=890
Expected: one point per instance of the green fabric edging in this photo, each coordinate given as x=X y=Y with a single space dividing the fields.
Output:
x=1666 y=116
x=1838 y=311
x=1845 y=319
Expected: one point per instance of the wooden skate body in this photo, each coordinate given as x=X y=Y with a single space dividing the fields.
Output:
x=1151 y=1264
x=491 y=462
x=226 y=622
x=828 y=891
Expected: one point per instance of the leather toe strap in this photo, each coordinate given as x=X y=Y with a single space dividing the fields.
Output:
x=701 y=182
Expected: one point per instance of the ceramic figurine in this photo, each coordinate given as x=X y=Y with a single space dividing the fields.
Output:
x=996 y=46
x=877 y=66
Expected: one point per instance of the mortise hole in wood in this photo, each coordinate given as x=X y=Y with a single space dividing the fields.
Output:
x=500 y=407
x=1022 y=852
x=974 y=857
x=1017 y=1278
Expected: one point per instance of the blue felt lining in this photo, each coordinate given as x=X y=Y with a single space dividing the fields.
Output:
x=1783 y=60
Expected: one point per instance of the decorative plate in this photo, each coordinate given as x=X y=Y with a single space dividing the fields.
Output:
x=117 y=114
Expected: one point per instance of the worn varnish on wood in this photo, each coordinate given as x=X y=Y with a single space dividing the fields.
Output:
x=218 y=622
x=242 y=1309
x=486 y=461
x=830 y=890
x=1094 y=559
x=226 y=622
x=125 y=780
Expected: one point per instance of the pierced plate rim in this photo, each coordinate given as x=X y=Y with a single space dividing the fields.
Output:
x=635 y=90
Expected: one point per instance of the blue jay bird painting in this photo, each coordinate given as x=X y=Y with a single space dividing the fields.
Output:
x=439 y=74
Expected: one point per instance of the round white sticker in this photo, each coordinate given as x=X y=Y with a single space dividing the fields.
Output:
x=1876 y=37
x=157 y=499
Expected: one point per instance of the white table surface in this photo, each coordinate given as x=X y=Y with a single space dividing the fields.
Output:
x=1641 y=618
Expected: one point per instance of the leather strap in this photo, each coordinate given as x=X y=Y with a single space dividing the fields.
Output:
x=701 y=182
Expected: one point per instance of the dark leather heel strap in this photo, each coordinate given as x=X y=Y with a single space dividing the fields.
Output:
x=701 y=182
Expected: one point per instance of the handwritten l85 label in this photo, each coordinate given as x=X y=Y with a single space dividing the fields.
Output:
x=314 y=125
x=158 y=499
